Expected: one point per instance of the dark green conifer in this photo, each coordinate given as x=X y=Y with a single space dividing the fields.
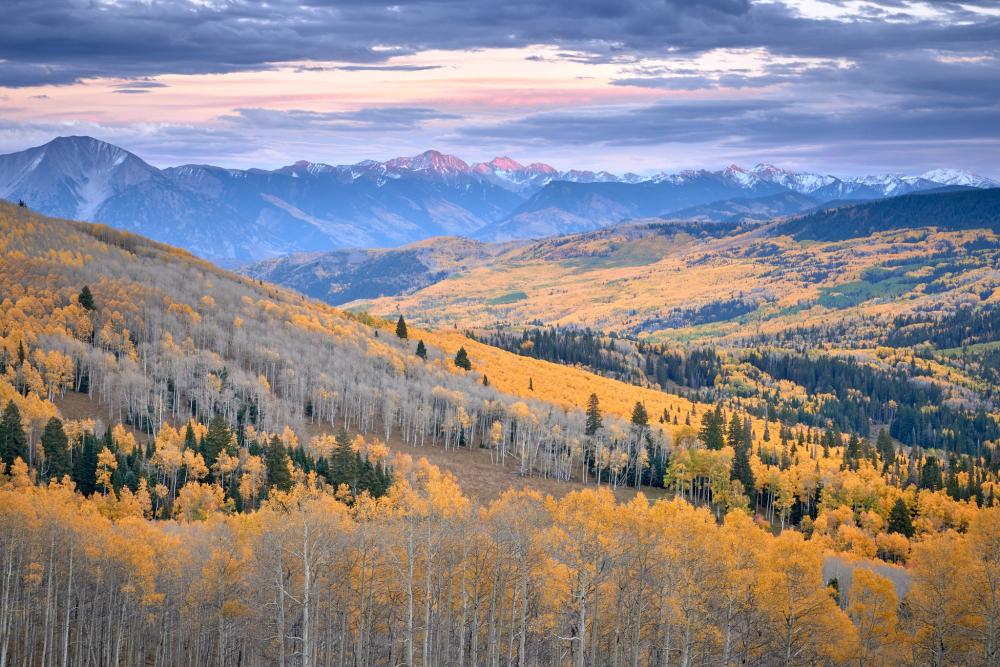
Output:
x=594 y=420
x=462 y=359
x=900 y=520
x=56 y=448
x=86 y=299
x=13 y=441
x=276 y=461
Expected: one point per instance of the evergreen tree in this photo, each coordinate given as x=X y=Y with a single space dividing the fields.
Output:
x=884 y=446
x=852 y=454
x=639 y=416
x=86 y=299
x=190 y=441
x=85 y=466
x=900 y=520
x=344 y=463
x=712 y=426
x=734 y=437
x=421 y=349
x=276 y=461
x=594 y=421
x=741 y=469
x=930 y=474
x=13 y=441
x=215 y=440
x=462 y=359
x=56 y=447
x=401 y=327
x=486 y=381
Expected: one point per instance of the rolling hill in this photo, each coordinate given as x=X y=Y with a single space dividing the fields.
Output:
x=723 y=281
x=945 y=209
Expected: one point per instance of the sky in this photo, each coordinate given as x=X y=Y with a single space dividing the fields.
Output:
x=846 y=87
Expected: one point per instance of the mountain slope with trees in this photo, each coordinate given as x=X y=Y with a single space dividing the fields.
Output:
x=234 y=497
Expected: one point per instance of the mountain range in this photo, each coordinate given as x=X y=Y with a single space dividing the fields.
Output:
x=235 y=215
x=445 y=275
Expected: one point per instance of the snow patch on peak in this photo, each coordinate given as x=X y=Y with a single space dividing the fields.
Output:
x=959 y=177
x=505 y=163
x=430 y=161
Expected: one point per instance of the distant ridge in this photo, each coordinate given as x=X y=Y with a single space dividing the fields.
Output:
x=234 y=216
x=946 y=208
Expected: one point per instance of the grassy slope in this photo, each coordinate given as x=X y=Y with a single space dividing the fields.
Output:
x=626 y=280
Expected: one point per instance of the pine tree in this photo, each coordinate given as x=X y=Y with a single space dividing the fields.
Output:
x=344 y=463
x=852 y=454
x=401 y=327
x=215 y=440
x=885 y=447
x=486 y=381
x=13 y=441
x=462 y=359
x=190 y=441
x=712 y=429
x=594 y=421
x=86 y=299
x=741 y=469
x=930 y=474
x=85 y=466
x=56 y=448
x=900 y=520
x=421 y=349
x=276 y=461
x=734 y=437
x=639 y=416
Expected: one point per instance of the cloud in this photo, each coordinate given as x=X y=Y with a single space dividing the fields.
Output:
x=913 y=107
x=60 y=41
x=826 y=80
x=138 y=87
x=387 y=68
x=381 y=119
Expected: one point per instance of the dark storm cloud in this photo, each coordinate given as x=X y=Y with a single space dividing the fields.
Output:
x=59 y=41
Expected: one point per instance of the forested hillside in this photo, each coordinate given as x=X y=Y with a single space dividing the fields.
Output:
x=927 y=254
x=235 y=485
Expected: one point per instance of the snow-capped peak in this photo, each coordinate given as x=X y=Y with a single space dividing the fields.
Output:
x=505 y=164
x=541 y=168
x=738 y=174
x=430 y=161
x=959 y=177
x=801 y=182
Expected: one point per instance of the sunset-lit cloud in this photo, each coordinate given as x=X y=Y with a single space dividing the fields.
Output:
x=622 y=86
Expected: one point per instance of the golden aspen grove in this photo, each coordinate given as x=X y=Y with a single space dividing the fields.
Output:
x=200 y=468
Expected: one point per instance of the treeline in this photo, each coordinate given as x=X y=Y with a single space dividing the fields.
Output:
x=620 y=358
x=422 y=578
x=862 y=395
x=965 y=326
